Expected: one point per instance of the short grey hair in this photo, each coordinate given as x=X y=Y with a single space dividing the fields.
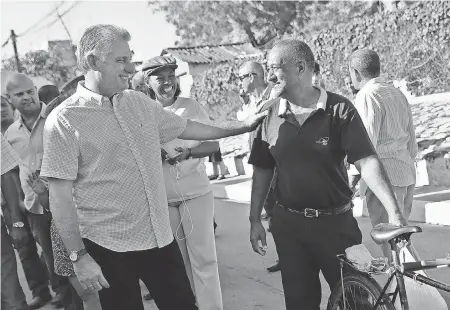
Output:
x=295 y=51
x=367 y=62
x=97 y=40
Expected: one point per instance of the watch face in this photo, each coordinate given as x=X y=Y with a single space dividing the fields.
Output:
x=73 y=256
x=19 y=224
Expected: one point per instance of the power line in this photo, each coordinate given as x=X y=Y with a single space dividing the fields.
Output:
x=56 y=19
x=13 y=36
x=6 y=42
x=64 y=25
x=41 y=20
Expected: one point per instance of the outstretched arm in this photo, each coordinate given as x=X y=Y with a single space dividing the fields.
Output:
x=199 y=131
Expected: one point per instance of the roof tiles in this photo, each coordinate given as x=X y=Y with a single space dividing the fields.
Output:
x=213 y=53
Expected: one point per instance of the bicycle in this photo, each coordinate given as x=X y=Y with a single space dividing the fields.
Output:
x=358 y=290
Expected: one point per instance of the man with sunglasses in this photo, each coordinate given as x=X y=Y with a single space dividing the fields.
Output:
x=253 y=87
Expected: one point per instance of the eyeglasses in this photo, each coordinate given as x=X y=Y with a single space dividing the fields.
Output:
x=242 y=77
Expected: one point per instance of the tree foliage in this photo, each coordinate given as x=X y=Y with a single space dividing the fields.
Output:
x=215 y=22
x=41 y=63
x=413 y=43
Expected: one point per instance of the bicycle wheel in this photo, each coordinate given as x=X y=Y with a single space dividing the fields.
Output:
x=360 y=292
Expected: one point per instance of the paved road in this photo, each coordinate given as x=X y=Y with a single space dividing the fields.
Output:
x=247 y=285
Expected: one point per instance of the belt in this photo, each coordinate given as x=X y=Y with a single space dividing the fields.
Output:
x=313 y=213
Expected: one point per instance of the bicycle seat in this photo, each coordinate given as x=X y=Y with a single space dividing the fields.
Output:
x=383 y=232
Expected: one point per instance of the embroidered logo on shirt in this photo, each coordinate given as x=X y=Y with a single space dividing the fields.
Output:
x=323 y=141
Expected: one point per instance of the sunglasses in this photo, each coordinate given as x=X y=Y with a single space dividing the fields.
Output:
x=242 y=77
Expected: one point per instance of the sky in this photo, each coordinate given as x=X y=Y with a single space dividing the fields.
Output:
x=150 y=33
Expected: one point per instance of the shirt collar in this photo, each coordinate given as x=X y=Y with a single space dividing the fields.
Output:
x=375 y=80
x=321 y=103
x=367 y=87
x=85 y=93
x=42 y=114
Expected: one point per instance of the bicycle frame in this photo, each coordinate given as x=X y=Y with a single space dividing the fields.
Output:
x=399 y=271
x=406 y=269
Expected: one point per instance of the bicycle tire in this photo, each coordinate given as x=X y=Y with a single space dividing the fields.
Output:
x=365 y=283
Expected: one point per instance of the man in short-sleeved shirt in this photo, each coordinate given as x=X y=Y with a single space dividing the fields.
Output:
x=306 y=137
x=103 y=161
x=128 y=133
x=26 y=137
x=387 y=116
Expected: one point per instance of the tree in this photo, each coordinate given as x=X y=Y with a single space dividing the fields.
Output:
x=41 y=63
x=258 y=22
x=215 y=22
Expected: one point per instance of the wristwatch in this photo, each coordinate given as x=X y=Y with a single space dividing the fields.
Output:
x=18 y=224
x=75 y=255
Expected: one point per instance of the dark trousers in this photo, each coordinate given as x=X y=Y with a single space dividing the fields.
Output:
x=40 y=228
x=307 y=246
x=161 y=269
x=12 y=296
x=35 y=271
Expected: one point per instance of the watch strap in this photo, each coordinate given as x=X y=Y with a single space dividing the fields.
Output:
x=82 y=252
x=75 y=255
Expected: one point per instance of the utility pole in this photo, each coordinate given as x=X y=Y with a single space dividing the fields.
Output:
x=13 y=39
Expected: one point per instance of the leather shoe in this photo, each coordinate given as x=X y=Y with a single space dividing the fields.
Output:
x=57 y=301
x=274 y=268
x=39 y=301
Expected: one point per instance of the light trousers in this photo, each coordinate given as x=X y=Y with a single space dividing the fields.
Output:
x=377 y=212
x=192 y=226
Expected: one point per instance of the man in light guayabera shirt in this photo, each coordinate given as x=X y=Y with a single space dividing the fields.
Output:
x=103 y=161
x=26 y=137
x=387 y=116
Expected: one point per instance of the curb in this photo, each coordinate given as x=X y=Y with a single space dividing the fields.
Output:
x=423 y=211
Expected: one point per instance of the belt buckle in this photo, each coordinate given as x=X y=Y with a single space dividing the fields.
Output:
x=311 y=213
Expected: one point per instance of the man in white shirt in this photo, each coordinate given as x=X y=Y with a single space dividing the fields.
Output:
x=103 y=161
x=387 y=116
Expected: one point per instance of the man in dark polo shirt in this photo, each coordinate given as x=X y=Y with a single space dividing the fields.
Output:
x=306 y=137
